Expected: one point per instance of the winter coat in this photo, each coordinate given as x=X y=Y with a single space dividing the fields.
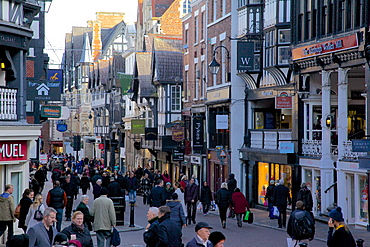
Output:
x=88 y=218
x=25 y=205
x=30 y=221
x=56 y=198
x=6 y=207
x=85 y=182
x=270 y=193
x=166 y=178
x=104 y=213
x=82 y=235
x=39 y=236
x=184 y=184
x=191 y=192
x=206 y=195
x=157 y=197
x=96 y=190
x=169 y=233
x=105 y=181
x=177 y=212
x=281 y=196
x=299 y=214
x=146 y=185
x=223 y=198
x=95 y=178
x=340 y=238
x=70 y=189
x=114 y=190
x=240 y=203
x=40 y=176
x=151 y=235
x=231 y=183
x=305 y=196
x=194 y=243
x=168 y=193
x=132 y=183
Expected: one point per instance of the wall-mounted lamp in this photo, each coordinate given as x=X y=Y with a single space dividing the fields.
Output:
x=329 y=121
x=282 y=117
x=214 y=66
x=90 y=116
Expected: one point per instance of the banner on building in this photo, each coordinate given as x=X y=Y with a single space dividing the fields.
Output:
x=222 y=122
x=245 y=55
x=138 y=126
x=125 y=82
x=151 y=134
x=46 y=90
x=198 y=138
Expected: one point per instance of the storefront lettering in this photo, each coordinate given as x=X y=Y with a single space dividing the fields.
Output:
x=11 y=151
x=7 y=39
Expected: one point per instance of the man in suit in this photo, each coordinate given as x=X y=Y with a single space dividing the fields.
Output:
x=43 y=233
x=281 y=199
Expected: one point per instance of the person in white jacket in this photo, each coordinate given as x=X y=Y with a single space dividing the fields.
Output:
x=36 y=205
x=180 y=194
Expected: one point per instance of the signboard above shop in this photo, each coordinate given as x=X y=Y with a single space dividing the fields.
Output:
x=46 y=90
x=361 y=145
x=245 y=55
x=283 y=101
x=51 y=111
x=13 y=151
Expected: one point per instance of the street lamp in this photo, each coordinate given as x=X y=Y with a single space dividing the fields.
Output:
x=214 y=66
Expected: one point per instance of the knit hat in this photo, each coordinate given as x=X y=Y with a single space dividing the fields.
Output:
x=216 y=237
x=336 y=214
x=61 y=239
x=75 y=243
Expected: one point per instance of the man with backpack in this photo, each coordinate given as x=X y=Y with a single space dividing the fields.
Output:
x=301 y=226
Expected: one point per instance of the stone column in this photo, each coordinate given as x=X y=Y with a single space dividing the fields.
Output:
x=342 y=120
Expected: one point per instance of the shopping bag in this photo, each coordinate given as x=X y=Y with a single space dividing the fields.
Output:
x=115 y=238
x=213 y=206
x=246 y=217
x=291 y=242
x=276 y=212
x=250 y=218
x=271 y=214
x=265 y=203
x=200 y=206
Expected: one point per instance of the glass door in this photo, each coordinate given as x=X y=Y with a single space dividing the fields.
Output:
x=350 y=183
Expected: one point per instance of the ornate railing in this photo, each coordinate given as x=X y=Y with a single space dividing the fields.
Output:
x=348 y=154
x=8 y=104
x=269 y=139
x=312 y=147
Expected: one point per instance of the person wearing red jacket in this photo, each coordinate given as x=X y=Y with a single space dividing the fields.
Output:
x=240 y=205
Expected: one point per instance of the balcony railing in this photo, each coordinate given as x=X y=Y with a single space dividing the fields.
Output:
x=8 y=104
x=269 y=138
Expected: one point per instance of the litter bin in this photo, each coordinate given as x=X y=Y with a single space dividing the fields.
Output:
x=119 y=207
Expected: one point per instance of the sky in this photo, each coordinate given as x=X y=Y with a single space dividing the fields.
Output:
x=64 y=14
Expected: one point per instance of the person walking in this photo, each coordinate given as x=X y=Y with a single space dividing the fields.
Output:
x=177 y=212
x=169 y=233
x=191 y=197
x=146 y=186
x=40 y=177
x=57 y=199
x=270 y=196
x=97 y=188
x=83 y=207
x=304 y=195
x=104 y=218
x=25 y=203
x=301 y=226
x=168 y=191
x=202 y=236
x=36 y=205
x=281 y=200
x=70 y=189
x=206 y=197
x=152 y=229
x=342 y=236
x=231 y=185
x=42 y=234
x=114 y=189
x=223 y=201
x=78 y=229
x=85 y=183
x=240 y=206
x=132 y=188
x=7 y=211
x=157 y=197
x=180 y=194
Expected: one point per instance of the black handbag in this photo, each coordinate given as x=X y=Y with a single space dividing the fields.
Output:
x=38 y=214
x=250 y=218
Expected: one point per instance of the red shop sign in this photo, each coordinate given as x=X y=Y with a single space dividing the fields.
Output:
x=101 y=145
x=13 y=150
x=283 y=102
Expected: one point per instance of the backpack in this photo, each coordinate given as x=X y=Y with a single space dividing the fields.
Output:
x=302 y=227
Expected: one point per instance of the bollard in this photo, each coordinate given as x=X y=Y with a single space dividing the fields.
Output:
x=360 y=242
x=302 y=245
x=132 y=215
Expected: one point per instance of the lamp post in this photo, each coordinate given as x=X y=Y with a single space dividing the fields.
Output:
x=214 y=66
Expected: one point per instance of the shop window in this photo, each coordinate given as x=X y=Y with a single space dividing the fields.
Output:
x=318 y=191
x=16 y=178
x=263 y=181
x=364 y=196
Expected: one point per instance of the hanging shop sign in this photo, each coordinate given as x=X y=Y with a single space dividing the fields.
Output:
x=51 y=111
x=286 y=148
x=198 y=140
x=138 y=126
x=13 y=150
x=245 y=55
x=283 y=101
x=334 y=45
x=49 y=89
x=178 y=133
x=62 y=127
x=222 y=122
x=151 y=134
x=178 y=154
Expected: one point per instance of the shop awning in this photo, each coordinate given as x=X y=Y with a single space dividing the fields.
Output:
x=266 y=155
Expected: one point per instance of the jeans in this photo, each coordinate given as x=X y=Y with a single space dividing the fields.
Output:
x=9 y=224
x=282 y=216
x=191 y=207
x=239 y=219
x=59 y=218
x=206 y=207
x=103 y=235
x=132 y=196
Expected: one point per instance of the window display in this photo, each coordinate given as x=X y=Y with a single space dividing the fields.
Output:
x=364 y=195
x=263 y=181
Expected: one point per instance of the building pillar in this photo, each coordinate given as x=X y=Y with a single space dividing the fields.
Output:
x=342 y=120
x=326 y=171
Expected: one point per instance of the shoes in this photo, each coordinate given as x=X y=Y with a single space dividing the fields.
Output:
x=205 y=214
x=194 y=222
x=223 y=224
x=189 y=222
x=280 y=227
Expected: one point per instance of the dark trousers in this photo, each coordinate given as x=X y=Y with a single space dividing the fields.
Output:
x=145 y=199
x=223 y=212
x=239 y=219
x=69 y=206
x=206 y=207
x=4 y=225
x=191 y=207
x=282 y=216
x=84 y=191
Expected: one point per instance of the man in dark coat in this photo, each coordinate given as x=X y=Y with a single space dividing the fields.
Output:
x=114 y=189
x=88 y=218
x=105 y=180
x=270 y=195
x=157 y=197
x=301 y=215
x=191 y=197
x=132 y=187
x=206 y=197
x=152 y=229
x=169 y=233
x=304 y=195
x=70 y=188
x=57 y=199
x=201 y=239
x=40 y=177
x=231 y=183
x=281 y=199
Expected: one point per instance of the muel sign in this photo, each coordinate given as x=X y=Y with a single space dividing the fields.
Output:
x=13 y=150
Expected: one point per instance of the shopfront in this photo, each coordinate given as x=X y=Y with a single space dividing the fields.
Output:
x=218 y=171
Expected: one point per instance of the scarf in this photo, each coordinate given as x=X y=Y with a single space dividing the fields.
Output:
x=79 y=228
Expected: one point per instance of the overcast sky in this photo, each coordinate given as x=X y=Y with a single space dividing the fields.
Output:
x=63 y=14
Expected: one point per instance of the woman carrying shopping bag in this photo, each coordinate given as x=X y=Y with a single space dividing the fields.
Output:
x=223 y=201
x=240 y=205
